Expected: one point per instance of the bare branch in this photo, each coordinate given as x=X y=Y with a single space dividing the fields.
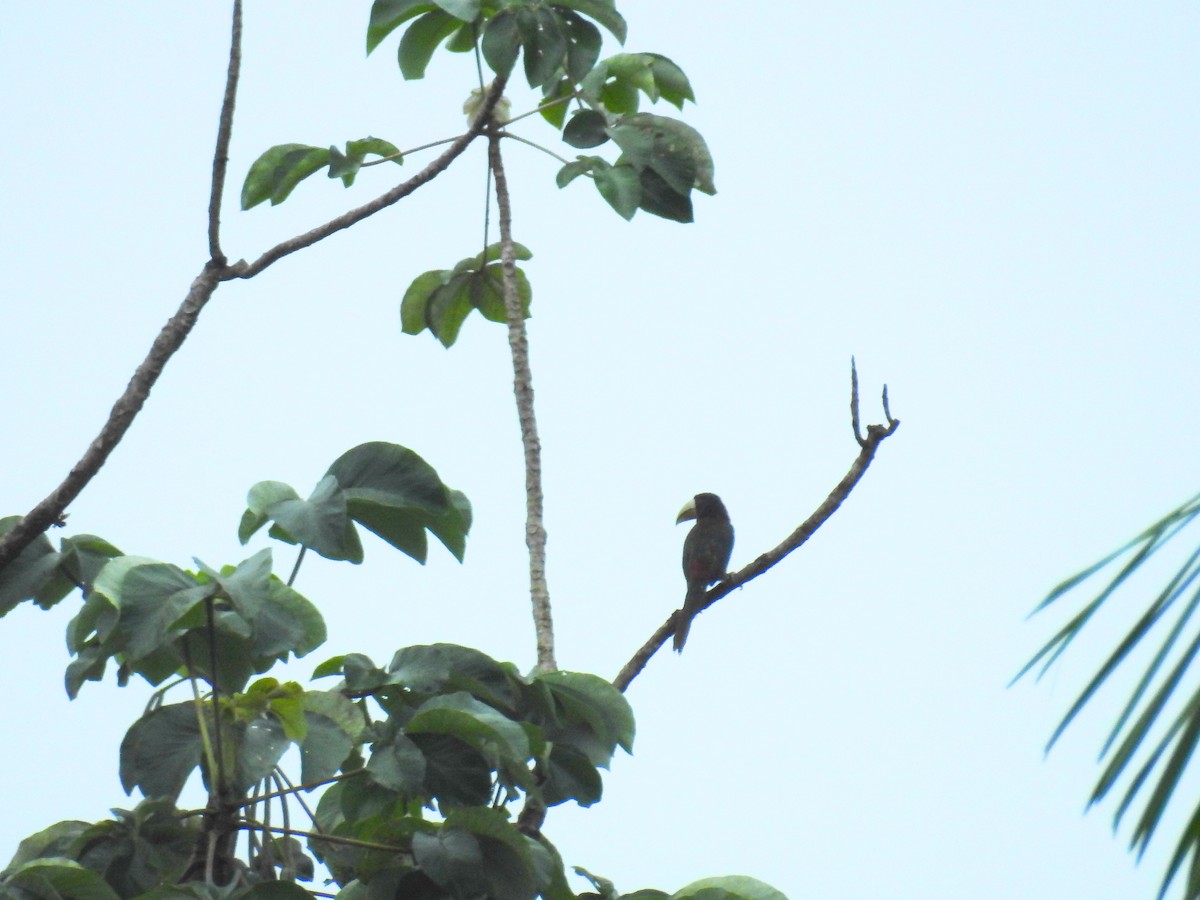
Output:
x=518 y=342
x=224 y=131
x=51 y=509
x=876 y=434
x=383 y=201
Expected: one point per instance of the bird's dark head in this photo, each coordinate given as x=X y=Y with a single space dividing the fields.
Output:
x=703 y=506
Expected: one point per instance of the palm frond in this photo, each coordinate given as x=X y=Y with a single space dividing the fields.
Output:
x=1164 y=679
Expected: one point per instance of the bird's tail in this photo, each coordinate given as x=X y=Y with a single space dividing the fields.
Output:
x=691 y=605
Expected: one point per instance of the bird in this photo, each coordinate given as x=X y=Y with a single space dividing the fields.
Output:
x=706 y=552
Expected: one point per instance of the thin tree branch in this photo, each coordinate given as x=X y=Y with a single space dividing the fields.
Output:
x=876 y=434
x=224 y=131
x=50 y=510
x=518 y=342
x=399 y=192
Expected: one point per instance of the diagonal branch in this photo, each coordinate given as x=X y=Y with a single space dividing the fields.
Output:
x=518 y=341
x=876 y=434
x=383 y=201
x=51 y=509
x=224 y=132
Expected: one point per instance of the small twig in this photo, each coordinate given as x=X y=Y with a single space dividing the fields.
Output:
x=224 y=131
x=518 y=341
x=534 y=145
x=876 y=434
x=399 y=192
x=296 y=568
x=403 y=153
x=316 y=835
x=558 y=101
x=854 y=421
x=311 y=786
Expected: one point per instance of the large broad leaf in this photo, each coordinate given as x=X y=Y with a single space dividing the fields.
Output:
x=570 y=775
x=591 y=715
x=617 y=81
x=474 y=723
x=673 y=150
x=602 y=11
x=397 y=495
x=422 y=39
x=729 y=887
x=455 y=772
x=388 y=15
x=281 y=620
x=445 y=668
x=151 y=599
x=453 y=859
x=385 y=487
x=58 y=879
x=335 y=726
x=160 y=751
x=26 y=576
x=276 y=172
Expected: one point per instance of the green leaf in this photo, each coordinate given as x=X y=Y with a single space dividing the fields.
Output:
x=455 y=773
x=445 y=668
x=660 y=199
x=83 y=556
x=594 y=716
x=501 y=42
x=160 y=751
x=59 y=879
x=321 y=522
x=422 y=39
x=281 y=620
x=260 y=745
x=57 y=840
x=583 y=45
x=448 y=309
x=464 y=10
x=476 y=724
x=26 y=576
x=545 y=44
x=335 y=725
x=570 y=775
x=151 y=599
x=453 y=859
x=670 y=81
x=393 y=492
x=346 y=165
x=675 y=152
x=274 y=174
x=733 y=887
x=573 y=170
x=620 y=186
x=586 y=128
x=413 y=317
x=397 y=764
x=602 y=11
x=556 y=113
x=388 y=15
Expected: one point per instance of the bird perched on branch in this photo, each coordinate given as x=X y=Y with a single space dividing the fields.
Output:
x=706 y=552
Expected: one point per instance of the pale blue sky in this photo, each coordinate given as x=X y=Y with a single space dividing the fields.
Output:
x=994 y=206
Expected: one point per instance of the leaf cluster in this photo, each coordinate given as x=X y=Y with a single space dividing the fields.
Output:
x=441 y=299
x=661 y=159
